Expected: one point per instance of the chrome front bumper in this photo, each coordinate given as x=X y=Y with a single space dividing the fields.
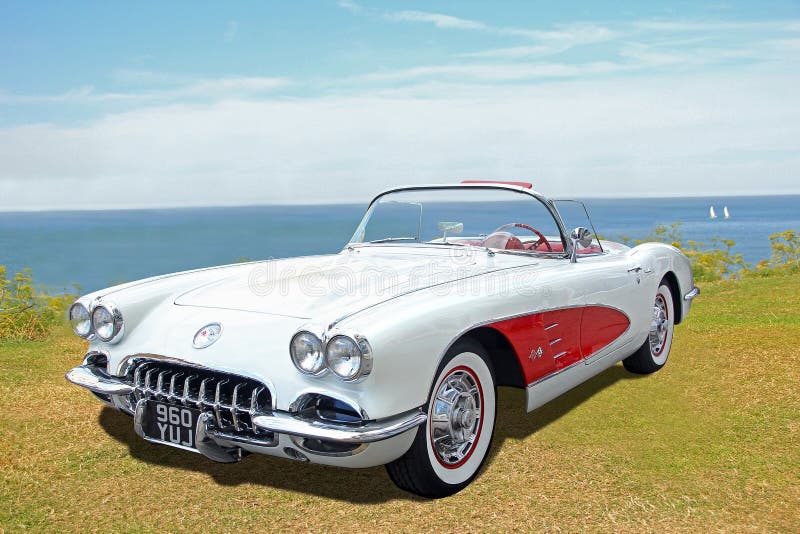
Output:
x=367 y=432
x=278 y=422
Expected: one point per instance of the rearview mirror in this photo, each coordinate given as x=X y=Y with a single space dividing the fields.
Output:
x=581 y=238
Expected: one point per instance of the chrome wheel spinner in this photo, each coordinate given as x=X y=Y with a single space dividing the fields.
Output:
x=456 y=418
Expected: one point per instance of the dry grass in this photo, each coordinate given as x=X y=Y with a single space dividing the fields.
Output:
x=708 y=444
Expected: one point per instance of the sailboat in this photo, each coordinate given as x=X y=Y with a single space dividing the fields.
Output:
x=712 y=213
x=725 y=211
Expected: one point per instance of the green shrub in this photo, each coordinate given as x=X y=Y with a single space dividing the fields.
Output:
x=785 y=257
x=28 y=312
x=710 y=261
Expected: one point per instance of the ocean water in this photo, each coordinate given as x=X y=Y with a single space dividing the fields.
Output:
x=95 y=249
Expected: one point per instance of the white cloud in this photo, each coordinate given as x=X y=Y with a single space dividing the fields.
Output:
x=146 y=77
x=229 y=87
x=786 y=44
x=490 y=72
x=573 y=34
x=630 y=57
x=232 y=86
x=656 y=136
x=697 y=26
x=515 y=52
x=349 y=6
x=437 y=19
x=504 y=112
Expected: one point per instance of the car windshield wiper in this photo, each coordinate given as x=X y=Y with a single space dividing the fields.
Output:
x=390 y=239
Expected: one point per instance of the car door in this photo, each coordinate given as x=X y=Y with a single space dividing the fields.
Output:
x=616 y=310
x=611 y=284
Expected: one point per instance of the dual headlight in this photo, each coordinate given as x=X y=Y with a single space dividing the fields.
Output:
x=348 y=357
x=103 y=320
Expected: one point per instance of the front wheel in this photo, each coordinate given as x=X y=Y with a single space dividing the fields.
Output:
x=652 y=355
x=451 y=446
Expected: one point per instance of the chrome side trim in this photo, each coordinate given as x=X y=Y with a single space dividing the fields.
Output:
x=692 y=294
x=560 y=354
x=284 y=423
x=91 y=378
x=555 y=373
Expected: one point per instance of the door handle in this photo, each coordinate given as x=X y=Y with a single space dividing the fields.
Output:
x=635 y=269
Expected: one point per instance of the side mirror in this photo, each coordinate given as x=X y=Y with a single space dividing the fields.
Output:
x=450 y=228
x=581 y=238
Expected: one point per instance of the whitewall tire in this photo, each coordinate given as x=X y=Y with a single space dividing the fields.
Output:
x=653 y=353
x=451 y=446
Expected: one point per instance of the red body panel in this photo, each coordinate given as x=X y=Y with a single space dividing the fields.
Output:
x=600 y=327
x=564 y=336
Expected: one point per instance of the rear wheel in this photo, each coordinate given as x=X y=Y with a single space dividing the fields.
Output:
x=652 y=355
x=451 y=446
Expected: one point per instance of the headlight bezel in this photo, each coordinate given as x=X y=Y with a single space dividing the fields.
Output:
x=117 y=322
x=78 y=304
x=361 y=349
x=319 y=369
x=324 y=339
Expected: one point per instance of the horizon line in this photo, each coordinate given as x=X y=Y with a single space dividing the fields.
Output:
x=189 y=206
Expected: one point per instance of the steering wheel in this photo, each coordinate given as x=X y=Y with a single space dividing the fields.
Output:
x=542 y=238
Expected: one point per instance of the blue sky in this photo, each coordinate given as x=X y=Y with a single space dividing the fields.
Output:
x=256 y=102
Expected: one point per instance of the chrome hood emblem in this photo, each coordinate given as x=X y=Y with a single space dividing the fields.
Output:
x=207 y=336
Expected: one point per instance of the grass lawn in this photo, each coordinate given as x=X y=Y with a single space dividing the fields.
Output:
x=711 y=442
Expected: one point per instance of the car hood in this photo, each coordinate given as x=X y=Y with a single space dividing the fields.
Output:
x=336 y=285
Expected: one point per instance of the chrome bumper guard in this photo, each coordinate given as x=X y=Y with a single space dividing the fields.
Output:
x=91 y=378
x=692 y=294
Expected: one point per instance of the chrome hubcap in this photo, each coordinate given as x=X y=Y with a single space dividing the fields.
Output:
x=455 y=418
x=659 y=326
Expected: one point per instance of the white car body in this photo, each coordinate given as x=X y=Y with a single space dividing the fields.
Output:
x=412 y=302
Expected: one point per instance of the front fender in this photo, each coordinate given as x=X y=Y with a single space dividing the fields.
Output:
x=668 y=259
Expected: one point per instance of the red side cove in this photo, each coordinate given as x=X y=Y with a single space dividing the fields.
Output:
x=548 y=341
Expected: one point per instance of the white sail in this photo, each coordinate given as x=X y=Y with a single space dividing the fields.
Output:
x=725 y=211
x=712 y=213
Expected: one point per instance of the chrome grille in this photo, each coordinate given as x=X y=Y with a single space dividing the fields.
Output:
x=234 y=400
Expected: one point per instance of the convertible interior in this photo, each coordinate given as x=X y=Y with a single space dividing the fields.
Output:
x=502 y=239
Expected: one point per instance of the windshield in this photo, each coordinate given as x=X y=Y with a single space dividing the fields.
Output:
x=499 y=219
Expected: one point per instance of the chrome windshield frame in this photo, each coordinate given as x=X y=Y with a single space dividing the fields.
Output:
x=549 y=206
x=588 y=218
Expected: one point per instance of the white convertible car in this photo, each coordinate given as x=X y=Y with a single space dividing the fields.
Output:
x=389 y=352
